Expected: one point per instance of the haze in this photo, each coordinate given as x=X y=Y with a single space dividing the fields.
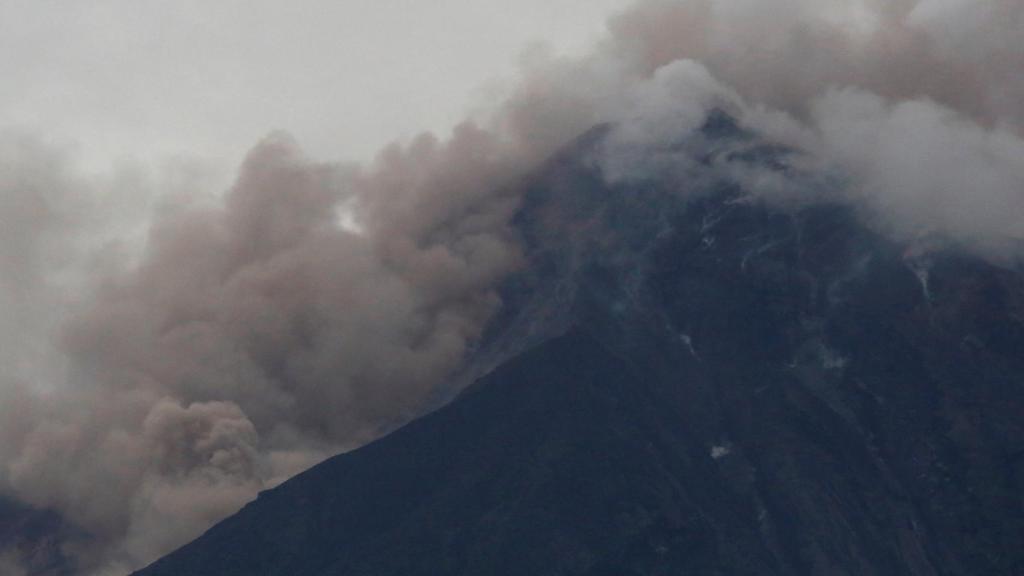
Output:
x=126 y=80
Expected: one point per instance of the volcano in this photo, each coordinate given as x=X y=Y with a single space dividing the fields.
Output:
x=688 y=379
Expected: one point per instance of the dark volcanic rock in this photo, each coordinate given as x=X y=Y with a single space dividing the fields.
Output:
x=689 y=381
x=34 y=539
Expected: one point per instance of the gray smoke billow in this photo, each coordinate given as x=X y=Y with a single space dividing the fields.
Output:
x=148 y=392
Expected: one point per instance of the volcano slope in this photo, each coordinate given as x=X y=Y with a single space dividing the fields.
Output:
x=689 y=380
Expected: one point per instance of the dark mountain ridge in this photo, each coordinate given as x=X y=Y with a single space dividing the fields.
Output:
x=689 y=380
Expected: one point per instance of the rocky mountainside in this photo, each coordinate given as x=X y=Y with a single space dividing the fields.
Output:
x=689 y=380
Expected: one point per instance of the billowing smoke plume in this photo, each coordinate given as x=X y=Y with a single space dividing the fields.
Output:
x=147 y=393
x=255 y=335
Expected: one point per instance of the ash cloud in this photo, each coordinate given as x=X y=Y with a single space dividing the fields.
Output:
x=148 y=392
x=255 y=336
x=918 y=106
x=11 y=565
x=783 y=53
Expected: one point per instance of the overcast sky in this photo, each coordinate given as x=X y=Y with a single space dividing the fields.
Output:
x=148 y=80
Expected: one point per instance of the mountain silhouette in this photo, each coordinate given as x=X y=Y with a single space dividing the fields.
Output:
x=688 y=379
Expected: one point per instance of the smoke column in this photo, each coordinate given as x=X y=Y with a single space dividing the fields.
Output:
x=148 y=392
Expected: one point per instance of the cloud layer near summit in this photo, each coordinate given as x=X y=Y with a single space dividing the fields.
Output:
x=144 y=80
x=151 y=389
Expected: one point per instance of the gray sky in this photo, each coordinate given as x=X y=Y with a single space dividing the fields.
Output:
x=147 y=80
